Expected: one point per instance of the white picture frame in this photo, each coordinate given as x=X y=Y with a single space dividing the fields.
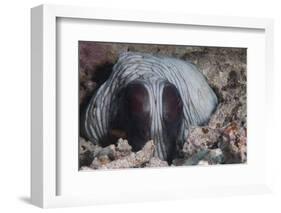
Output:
x=44 y=148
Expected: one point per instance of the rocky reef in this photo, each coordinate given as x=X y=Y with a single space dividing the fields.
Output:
x=223 y=140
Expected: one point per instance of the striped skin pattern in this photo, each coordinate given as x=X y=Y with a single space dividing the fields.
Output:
x=158 y=81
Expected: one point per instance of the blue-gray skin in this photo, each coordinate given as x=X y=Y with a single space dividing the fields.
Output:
x=150 y=97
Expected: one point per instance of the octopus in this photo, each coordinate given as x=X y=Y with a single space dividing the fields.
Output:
x=149 y=97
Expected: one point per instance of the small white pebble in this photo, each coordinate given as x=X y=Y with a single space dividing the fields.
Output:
x=203 y=163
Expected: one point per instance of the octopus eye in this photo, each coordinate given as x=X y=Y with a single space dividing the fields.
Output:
x=172 y=107
x=137 y=114
x=137 y=99
x=172 y=104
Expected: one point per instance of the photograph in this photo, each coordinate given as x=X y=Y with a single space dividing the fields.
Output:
x=161 y=105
